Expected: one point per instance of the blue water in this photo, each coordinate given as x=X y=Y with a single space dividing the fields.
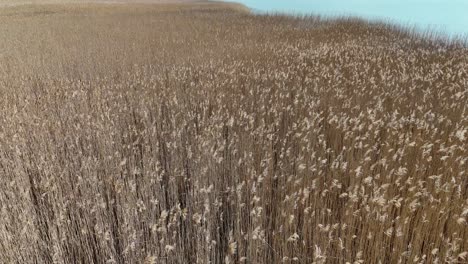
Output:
x=447 y=16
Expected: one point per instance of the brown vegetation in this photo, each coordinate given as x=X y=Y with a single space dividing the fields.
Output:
x=201 y=134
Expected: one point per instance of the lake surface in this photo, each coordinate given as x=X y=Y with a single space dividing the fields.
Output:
x=448 y=16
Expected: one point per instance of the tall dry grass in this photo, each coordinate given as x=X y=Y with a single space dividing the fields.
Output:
x=201 y=134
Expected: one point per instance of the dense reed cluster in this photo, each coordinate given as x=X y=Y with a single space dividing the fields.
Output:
x=205 y=134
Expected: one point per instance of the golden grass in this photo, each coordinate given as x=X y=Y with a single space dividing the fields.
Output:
x=201 y=134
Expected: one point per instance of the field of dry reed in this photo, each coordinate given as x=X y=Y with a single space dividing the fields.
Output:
x=201 y=133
